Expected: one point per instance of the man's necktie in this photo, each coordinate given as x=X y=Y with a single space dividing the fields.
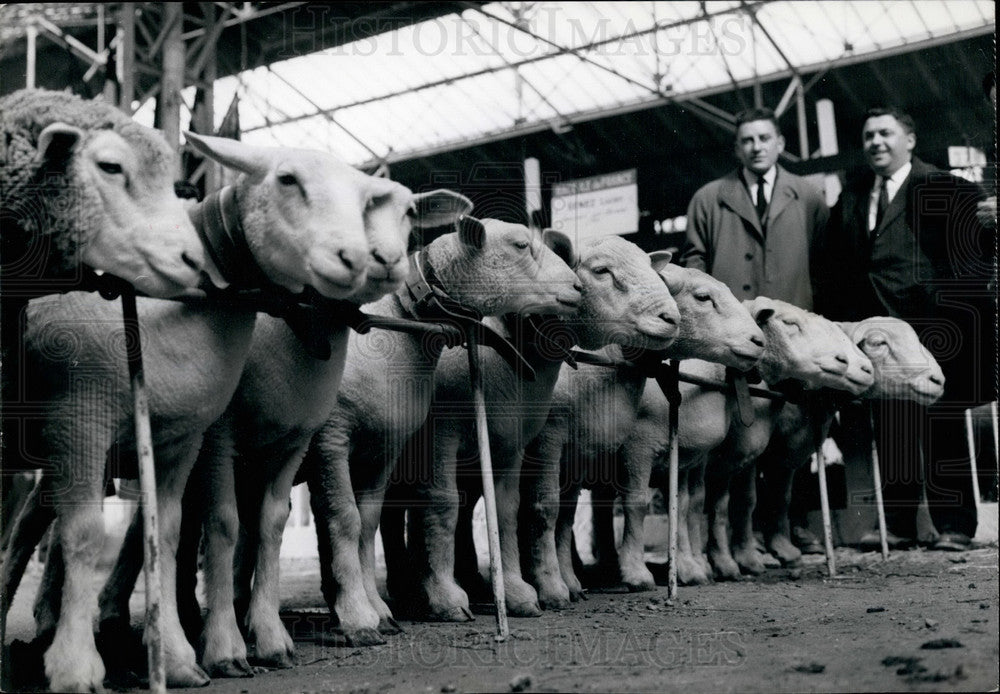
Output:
x=761 y=200
x=883 y=203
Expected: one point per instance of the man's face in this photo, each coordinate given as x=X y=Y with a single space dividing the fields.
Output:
x=758 y=145
x=887 y=144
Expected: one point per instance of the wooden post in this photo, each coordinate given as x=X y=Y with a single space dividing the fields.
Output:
x=877 y=481
x=824 y=497
x=147 y=483
x=489 y=495
x=126 y=57
x=673 y=516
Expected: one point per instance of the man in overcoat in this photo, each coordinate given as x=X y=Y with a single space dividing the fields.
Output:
x=904 y=241
x=753 y=230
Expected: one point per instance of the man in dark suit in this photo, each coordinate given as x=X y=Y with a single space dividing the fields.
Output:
x=904 y=241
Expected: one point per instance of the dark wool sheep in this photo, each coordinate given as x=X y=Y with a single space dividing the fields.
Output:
x=80 y=182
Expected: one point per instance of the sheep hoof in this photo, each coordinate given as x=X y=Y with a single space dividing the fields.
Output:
x=188 y=675
x=363 y=637
x=577 y=595
x=524 y=609
x=281 y=660
x=389 y=626
x=236 y=667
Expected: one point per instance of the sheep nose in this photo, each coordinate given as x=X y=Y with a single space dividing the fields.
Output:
x=867 y=368
x=759 y=341
x=841 y=358
x=668 y=319
x=578 y=287
x=346 y=259
x=937 y=380
x=193 y=263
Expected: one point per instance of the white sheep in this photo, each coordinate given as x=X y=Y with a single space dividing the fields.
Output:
x=580 y=443
x=624 y=303
x=716 y=331
x=82 y=183
x=815 y=353
x=194 y=357
x=386 y=392
x=904 y=370
x=283 y=397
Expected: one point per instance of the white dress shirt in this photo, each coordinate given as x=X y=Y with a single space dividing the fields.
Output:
x=891 y=188
x=751 y=178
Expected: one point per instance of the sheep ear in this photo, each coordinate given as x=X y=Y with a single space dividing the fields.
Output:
x=439 y=207
x=57 y=140
x=231 y=153
x=471 y=232
x=562 y=245
x=660 y=259
x=763 y=315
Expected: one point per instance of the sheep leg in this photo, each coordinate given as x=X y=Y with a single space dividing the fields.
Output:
x=636 y=462
x=441 y=597
x=777 y=530
x=48 y=599
x=689 y=569
x=113 y=601
x=273 y=644
x=72 y=662
x=339 y=531
x=27 y=530
x=540 y=488
x=564 y=538
x=370 y=507
x=223 y=651
x=602 y=501
x=742 y=499
x=466 y=557
x=522 y=600
x=696 y=519
x=392 y=524
x=717 y=504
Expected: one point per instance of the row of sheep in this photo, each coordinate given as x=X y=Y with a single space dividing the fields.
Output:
x=242 y=410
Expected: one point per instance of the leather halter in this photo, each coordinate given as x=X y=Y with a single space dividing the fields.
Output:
x=424 y=297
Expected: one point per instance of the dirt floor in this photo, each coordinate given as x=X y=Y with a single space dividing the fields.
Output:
x=920 y=621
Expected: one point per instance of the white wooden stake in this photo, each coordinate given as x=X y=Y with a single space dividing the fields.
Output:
x=877 y=481
x=489 y=495
x=147 y=483
x=970 y=435
x=824 y=498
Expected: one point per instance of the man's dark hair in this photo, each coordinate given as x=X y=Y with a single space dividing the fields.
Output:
x=899 y=114
x=755 y=114
x=186 y=190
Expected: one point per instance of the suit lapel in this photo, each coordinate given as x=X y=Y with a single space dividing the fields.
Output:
x=896 y=207
x=733 y=194
x=782 y=195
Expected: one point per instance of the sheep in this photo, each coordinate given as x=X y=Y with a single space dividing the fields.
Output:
x=612 y=312
x=287 y=245
x=283 y=397
x=386 y=392
x=716 y=331
x=814 y=352
x=580 y=442
x=81 y=183
x=904 y=370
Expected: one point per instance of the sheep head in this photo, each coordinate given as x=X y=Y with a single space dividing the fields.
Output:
x=393 y=211
x=625 y=302
x=497 y=267
x=99 y=188
x=804 y=346
x=714 y=325
x=904 y=369
x=302 y=213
